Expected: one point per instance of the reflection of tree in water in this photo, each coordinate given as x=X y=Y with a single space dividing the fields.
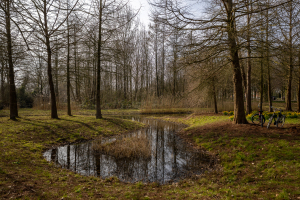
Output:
x=171 y=158
x=132 y=169
x=54 y=155
x=68 y=157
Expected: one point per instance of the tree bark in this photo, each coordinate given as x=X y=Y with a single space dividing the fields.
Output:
x=2 y=82
x=290 y=67
x=215 y=95
x=261 y=81
x=268 y=63
x=298 y=92
x=239 y=111
x=68 y=69
x=98 y=100
x=49 y=66
x=156 y=58
x=248 y=96
x=289 y=88
x=13 y=106
x=56 y=72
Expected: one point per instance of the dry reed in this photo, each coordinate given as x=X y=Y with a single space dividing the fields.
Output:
x=126 y=147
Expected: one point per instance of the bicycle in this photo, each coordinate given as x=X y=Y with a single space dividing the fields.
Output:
x=258 y=118
x=279 y=122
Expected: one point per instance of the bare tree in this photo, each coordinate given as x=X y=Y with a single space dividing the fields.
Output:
x=6 y=7
x=46 y=28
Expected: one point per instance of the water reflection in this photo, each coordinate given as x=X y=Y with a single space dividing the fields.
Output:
x=171 y=159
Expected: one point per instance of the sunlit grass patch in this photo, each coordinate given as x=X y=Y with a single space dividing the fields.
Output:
x=194 y=121
x=166 y=111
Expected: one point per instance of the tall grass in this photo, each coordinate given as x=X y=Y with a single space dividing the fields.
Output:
x=127 y=147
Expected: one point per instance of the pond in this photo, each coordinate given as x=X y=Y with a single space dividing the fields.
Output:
x=171 y=160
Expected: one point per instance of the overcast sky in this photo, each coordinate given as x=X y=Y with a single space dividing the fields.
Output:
x=195 y=7
x=144 y=12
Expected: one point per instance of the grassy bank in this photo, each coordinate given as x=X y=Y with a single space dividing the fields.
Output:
x=39 y=112
x=25 y=174
x=254 y=162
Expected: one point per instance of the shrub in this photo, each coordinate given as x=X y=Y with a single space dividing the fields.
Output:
x=230 y=113
x=292 y=115
x=25 y=99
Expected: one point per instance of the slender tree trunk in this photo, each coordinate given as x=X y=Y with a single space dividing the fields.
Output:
x=290 y=67
x=13 y=106
x=248 y=96
x=56 y=72
x=49 y=53
x=2 y=82
x=156 y=59
x=239 y=111
x=298 y=93
x=98 y=100
x=76 y=67
x=68 y=68
x=289 y=87
x=268 y=63
x=163 y=64
x=215 y=96
x=261 y=82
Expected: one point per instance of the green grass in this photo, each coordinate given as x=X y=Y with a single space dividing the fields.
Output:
x=36 y=112
x=258 y=164
x=253 y=163
x=25 y=174
x=194 y=121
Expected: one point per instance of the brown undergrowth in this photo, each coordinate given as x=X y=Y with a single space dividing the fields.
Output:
x=127 y=147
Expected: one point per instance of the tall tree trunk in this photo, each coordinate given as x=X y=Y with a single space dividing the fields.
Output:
x=248 y=96
x=244 y=78
x=76 y=67
x=215 y=95
x=68 y=68
x=239 y=111
x=2 y=81
x=156 y=59
x=289 y=87
x=13 y=106
x=49 y=61
x=163 y=63
x=56 y=72
x=268 y=62
x=298 y=93
x=98 y=100
x=261 y=81
x=290 y=67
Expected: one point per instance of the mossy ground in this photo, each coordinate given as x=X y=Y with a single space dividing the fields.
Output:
x=254 y=163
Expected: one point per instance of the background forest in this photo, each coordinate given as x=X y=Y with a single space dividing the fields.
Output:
x=69 y=54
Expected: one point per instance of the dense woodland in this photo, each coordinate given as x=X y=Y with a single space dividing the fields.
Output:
x=98 y=54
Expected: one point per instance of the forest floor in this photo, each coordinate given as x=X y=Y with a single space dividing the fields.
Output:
x=253 y=162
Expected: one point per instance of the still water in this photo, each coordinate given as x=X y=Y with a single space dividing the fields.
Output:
x=171 y=158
